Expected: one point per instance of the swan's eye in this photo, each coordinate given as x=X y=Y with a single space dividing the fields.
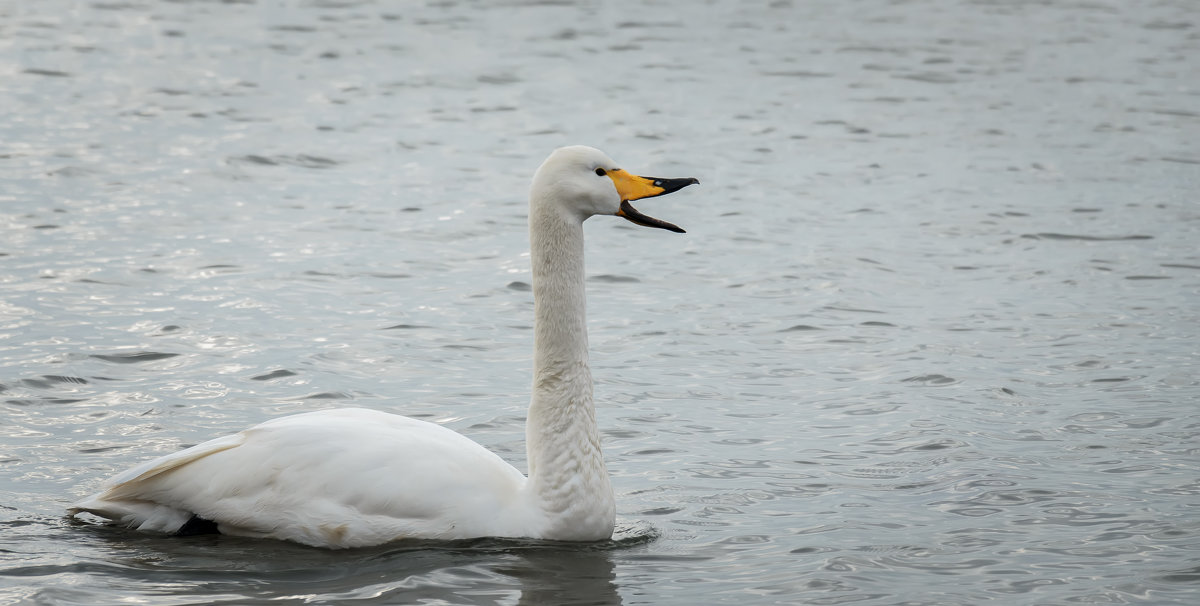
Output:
x=601 y=172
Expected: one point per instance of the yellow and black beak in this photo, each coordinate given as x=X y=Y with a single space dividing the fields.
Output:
x=633 y=187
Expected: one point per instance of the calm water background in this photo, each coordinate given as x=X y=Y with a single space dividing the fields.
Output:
x=932 y=337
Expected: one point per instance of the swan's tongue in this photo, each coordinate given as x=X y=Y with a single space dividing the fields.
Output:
x=633 y=187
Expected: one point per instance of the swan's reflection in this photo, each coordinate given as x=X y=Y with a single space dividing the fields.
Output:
x=568 y=577
x=486 y=571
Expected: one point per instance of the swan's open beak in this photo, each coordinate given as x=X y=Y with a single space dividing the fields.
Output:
x=633 y=187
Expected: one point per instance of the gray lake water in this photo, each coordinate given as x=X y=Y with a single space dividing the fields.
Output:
x=931 y=337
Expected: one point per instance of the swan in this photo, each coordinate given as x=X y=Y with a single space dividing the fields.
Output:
x=353 y=477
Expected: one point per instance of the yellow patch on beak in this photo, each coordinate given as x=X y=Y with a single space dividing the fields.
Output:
x=633 y=187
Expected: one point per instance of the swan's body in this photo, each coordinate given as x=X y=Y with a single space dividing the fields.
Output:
x=353 y=477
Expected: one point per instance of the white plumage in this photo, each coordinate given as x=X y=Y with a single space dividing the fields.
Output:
x=353 y=477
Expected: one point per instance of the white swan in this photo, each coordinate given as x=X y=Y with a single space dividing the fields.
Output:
x=353 y=477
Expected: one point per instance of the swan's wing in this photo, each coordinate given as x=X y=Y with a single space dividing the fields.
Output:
x=333 y=478
x=113 y=503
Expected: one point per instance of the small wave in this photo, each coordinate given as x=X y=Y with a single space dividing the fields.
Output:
x=800 y=327
x=36 y=401
x=135 y=357
x=300 y=160
x=613 y=279
x=931 y=379
x=326 y=395
x=48 y=381
x=275 y=374
x=1058 y=236
x=53 y=73
x=854 y=309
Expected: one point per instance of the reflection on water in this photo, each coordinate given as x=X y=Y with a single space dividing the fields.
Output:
x=929 y=339
x=462 y=572
x=211 y=568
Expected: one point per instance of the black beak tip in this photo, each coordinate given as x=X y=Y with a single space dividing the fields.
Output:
x=672 y=185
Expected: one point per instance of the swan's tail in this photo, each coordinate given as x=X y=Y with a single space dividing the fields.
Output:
x=142 y=515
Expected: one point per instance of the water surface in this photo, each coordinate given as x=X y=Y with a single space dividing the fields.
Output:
x=930 y=339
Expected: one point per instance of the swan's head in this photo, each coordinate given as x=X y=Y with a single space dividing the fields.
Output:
x=584 y=181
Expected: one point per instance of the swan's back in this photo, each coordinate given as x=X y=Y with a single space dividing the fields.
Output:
x=337 y=478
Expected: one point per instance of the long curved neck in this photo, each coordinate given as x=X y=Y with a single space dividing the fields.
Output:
x=559 y=300
x=567 y=477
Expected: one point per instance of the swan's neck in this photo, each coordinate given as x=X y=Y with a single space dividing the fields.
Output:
x=567 y=477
